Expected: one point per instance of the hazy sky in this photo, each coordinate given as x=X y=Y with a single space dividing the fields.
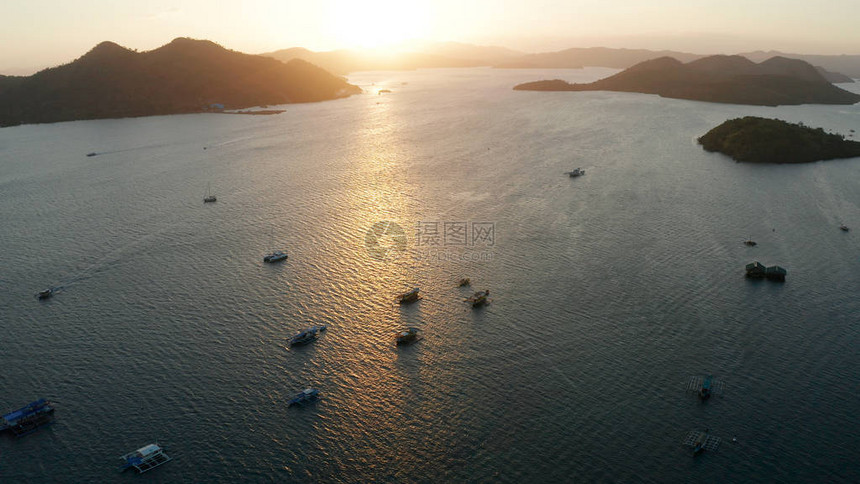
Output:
x=42 y=33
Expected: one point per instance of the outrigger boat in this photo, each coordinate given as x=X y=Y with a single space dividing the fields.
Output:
x=575 y=173
x=701 y=441
x=275 y=256
x=145 y=458
x=705 y=386
x=28 y=418
x=308 y=395
x=409 y=297
x=480 y=298
x=408 y=336
x=307 y=335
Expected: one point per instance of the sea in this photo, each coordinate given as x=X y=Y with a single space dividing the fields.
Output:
x=609 y=291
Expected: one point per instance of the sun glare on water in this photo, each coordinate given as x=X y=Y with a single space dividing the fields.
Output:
x=377 y=23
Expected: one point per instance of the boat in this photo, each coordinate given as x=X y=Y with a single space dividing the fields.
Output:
x=275 y=256
x=45 y=294
x=464 y=282
x=306 y=335
x=701 y=441
x=750 y=243
x=705 y=386
x=705 y=390
x=479 y=298
x=844 y=228
x=409 y=297
x=92 y=154
x=28 y=418
x=209 y=198
x=145 y=458
x=307 y=395
x=575 y=173
x=408 y=336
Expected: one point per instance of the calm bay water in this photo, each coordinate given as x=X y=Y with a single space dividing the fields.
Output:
x=610 y=291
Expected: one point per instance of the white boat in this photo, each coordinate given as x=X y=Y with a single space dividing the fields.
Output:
x=209 y=198
x=145 y=458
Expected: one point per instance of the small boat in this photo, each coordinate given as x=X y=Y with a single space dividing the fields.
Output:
x=479 y=298
x=575 y=173
x=464 y=282
x=45 y=294
x=408 y=336
x=92 y=154
x=701 y=441
x=145 y=458
x=307 y=335
x=275 y=256
x=844 y=228
x=409 y=297
x=705 y=390
x=750 y=243
x=28 y=418
x=307 y=395
x=209 y=198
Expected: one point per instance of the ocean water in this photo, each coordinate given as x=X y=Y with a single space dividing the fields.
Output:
x=609 y=291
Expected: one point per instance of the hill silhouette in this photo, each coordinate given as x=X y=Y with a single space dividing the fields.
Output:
x=761 y=140
x=184 y=76
x=722 y=79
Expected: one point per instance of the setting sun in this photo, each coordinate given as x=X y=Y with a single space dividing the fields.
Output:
x=377 y=23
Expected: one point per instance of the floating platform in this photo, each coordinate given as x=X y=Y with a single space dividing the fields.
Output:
x=28 y=418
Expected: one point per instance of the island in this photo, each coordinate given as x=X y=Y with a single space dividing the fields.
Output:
x=761 y=140
x=719 y=79
x=184 y=76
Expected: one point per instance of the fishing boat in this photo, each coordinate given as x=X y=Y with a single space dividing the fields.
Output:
x=844 y=228
x=28 y=418
x=408 y=336
x=480 y=298
x=701 y=441
x=575 y=173
x=145 y=458
x=409 y=296
x=704 y=386
x=464 y=282
x=307 y=335
x=307 y=395
x=209 y=198
x=45 y=294
x=275 y=256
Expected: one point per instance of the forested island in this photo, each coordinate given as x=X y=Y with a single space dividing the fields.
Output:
x=721 y=79
x=760 y=140
x=184 y=76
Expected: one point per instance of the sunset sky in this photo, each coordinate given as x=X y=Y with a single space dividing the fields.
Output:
x=44 y=33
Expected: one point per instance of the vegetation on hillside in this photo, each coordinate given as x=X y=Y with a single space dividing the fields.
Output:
x=761 y=140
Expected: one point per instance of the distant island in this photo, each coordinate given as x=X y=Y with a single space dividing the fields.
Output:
x=720 y=79
x=184 y=76
x=424 y=55
x=760 y=140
